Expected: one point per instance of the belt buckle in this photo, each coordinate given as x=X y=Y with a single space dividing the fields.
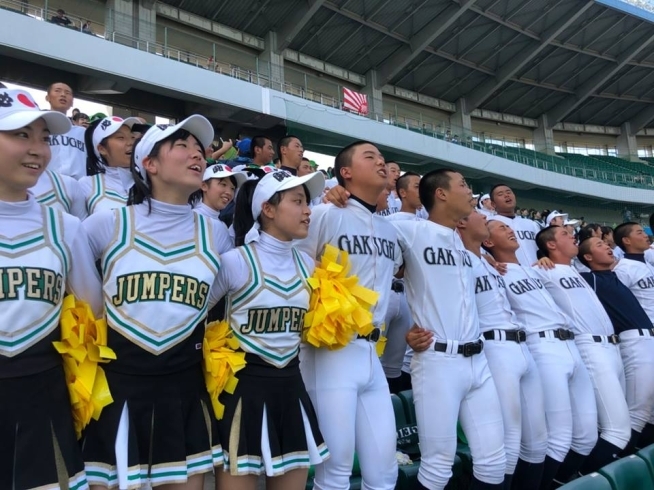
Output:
x=471 y=348
x=614 y=339
x=521 y=336
x=563 y=334
x=374 y=335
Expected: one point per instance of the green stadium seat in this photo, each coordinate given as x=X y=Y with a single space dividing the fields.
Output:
x=594 y=481
x=647 y=454
x=629 y=473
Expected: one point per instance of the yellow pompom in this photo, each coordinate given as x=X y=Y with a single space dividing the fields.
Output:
x=83 y=346
x=221 y=362
x=339 y=306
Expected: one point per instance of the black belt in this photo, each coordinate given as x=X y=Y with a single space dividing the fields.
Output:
x=510 y=335
x=642 y=331
x=372 y=336
x=611 y=339
x=397 y=286
x=468 y=349
x=560 y=333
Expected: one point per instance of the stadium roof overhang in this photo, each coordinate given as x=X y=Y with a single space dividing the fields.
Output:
x=581 y=61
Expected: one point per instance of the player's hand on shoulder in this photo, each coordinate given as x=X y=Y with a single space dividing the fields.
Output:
x=544 y=263
x=500 y=267
x=419 y=339
x=338 y=196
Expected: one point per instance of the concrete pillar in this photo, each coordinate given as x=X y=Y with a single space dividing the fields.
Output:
x=271 y=63
x=129 y=21
x=460 y=121
x=626 y=143
x=375 y=102
x=544 y=137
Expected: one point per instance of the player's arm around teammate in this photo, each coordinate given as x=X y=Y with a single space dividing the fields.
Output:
x=347 y=386
x=269 y=425
x=451 y=379
x=158 y=260
x=44 y=254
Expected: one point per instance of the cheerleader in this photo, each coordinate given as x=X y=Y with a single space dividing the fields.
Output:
x=219 y=185
x=60 y=192
x=109 y=177
x=158 y=260
x=269 y=425
x=37 y=245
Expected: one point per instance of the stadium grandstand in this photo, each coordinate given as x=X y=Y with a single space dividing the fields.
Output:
x=554 y=98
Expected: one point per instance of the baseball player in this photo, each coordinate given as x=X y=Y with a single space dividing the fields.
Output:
x=513 y=368
x=347 y=386
x=61 y=192
x=392 y=203
x=451 y=379
x=596 y=340
x=504 y=202
x=569 y=399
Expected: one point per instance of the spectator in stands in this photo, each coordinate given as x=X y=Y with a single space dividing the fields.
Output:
x=60 y=19
x=277 y=163
x=555 y=218
x=210 y=63
x=589 y=231
x=86 y=27
x=626 y=215
x=304 y=168
x=81 y=119
x=314 y=166
x=455 y=139
x=290 y=151
x=262 y=150
x=448 y=135
x=75 y=111
x=485 y=205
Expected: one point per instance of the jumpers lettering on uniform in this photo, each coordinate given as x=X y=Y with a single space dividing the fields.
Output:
x=361 y=245
x=274 y=320
x=646 y=283
x=525 y=285
x=63 y=140
x=40 y=284
x=160 y=286
x=571 y=282
x=482 y=285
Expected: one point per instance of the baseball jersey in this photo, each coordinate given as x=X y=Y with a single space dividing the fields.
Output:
x=158 y=268
x=60 y=192
x=403 y=215
x=525 y=231
x=370 y=241
x=618 y=253
x=69 y=153
x=493 y=307
x=44 y=253
x=394 y=204
x=268 y=296
x=577 y=299
x=533 y=305
x=108 y=190
x=639 y=278
x=439 y=281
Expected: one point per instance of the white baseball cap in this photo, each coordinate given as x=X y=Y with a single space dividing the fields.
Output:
x=555 y=214
x=572 y=222
x=18 y=109
x=108 y=127
x=221 y=171
x=484 y=197
x=198 y=126
x=282 y=180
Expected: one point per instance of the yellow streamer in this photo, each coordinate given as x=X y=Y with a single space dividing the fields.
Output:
x=221 y=363
x=339 y=307
x=83 y=346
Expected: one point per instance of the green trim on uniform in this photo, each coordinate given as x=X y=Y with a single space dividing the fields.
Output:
x=300 y=263
x=62 y=192
x=47 y=324
x=263 y=352
x=120 y=213
x=161 y=253
x=56 y=240
x=255 y=283
x=203 y=223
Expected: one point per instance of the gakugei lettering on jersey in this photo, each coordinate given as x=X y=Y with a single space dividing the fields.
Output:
x=445 y=256
x=482 y=284
x=525 y=235
x=363 y=245
x=63 y=140
x=500 y=281
x=39 y=284
x=646 y=283
x=571 y=282
x=160 y=286
x=525 y=285
x=274 y=320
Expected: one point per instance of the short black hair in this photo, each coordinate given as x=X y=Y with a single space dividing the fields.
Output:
x=80 y=115
x=258 y=141
x=606 y=231
x=495 y=187
x=621 y=232
x=305 y=159
x=344 y=159
x=403 y=181
x=587 y=231
x=542 y=237
x=284 y=142
x=47 y=90
x=436 y=179
x=584 y=248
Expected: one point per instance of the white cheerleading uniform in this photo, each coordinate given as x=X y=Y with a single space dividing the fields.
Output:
x=448 y=385
x=569 y=399
x=60 y=192
x=525 y=232
x=513 y=368
x=44 y=254
x=158 y=267
x=347 y=386
x=204 y=210
x=108 y=190
x=268 y=296
x=69 y=153
x=597 y=344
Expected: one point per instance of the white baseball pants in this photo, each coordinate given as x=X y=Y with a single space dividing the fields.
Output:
x=638 y=358
x=570 y=407
x=448 y=387
x=351 y=398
